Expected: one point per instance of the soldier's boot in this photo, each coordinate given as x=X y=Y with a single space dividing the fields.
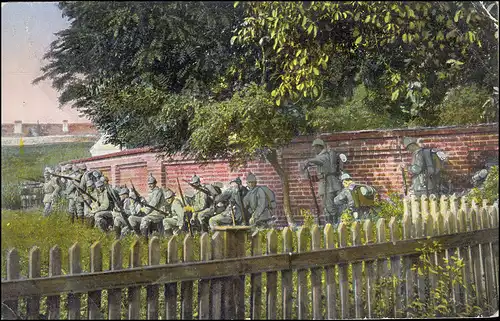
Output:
x=118 y=232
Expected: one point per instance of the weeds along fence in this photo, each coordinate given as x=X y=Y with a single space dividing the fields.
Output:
x=364 y=269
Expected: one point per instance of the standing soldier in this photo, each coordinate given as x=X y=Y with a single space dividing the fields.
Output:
x=328 y=166
x=155 y=199
x=72 y=193
x=174 y=221
x=119 y=225
x=90 y=189
x=51 y=191
x=102 y=212
x=234 y=195
x=258 y=204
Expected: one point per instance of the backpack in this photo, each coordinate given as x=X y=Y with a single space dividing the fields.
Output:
x=271 y=198
x=361 y=200
x=434 y=159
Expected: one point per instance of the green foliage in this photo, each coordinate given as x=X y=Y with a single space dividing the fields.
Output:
x=489 y=190
x=308 y=218
x=390 y=207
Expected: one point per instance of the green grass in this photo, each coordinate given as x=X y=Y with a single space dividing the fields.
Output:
x=29 y=162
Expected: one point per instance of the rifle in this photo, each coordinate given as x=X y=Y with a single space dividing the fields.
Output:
x=243 y=209
x=134 y=190
x=403 y=170
x=199 y=188
x=188 y=214
x=32 y=179
x=120 y=206
x=313 y=193
x=138 y=200
x=66 y=177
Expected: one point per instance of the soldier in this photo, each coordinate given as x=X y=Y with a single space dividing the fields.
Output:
x=129 y=206
x=155 y=199
x=75 y=206
x=203 y=203
x=51 y=191
x=257 y=204
x=236 y=211
x=425 y=168
x=357 y=197
x=328 y=166
x=174 y=221
x=90 y=189
x=102 y=212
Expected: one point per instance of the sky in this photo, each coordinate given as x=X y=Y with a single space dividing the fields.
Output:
x=27 y=30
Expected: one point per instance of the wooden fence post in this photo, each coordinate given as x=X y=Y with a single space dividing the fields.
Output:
x=115 y=295
x=396 y=268
x=286 y=276
x=494 y=246
x=33 y=303
x=418 y=227
x=370 y=270
x=152 y=294
x=171 y=288
x=357 y=276
x=415 y=208
x=11 y=311
x=204 y=285
x=74 y=304
x=53 y=302
x=463 y=205
x=331 y=288
x=408 y=273
x=187 y=286
x=134 y=292
x=433 y=206
x=488 y=265
x=343 y=280
x=450 y=228
x=272 y=277
x=217 y=254
x=316 y=276
x=94 y=297
x=476 y=258
x=454 y=206
x=424 y=206
x=256 y=281
x=302 y=291
x=443 y=206
x=382 y=269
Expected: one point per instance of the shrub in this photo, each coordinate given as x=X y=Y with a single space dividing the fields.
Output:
x=489 y=190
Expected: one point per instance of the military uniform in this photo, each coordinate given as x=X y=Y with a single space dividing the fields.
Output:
x=90 y=189
x=51 y=191
x=75 y=203
x=233 y=196
x=174 y=221
x=257 y=204
x=129 y=207
x=356 y=197
x=102 y=213
x=156 y=199
x=329 y=181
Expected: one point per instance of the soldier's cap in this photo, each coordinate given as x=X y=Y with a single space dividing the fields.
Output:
x=151 y=179
x=90 y=183
x=169 y=194
x=318 y=142
x=345 y=176
x=251 y=177
x=99 y=183
x=407 y=141
x=124 y=191
x=195 y=180
x=236 y=180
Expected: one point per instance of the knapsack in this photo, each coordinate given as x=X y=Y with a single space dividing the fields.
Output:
x=361 y=200
x=434 y=160
x=271 y=198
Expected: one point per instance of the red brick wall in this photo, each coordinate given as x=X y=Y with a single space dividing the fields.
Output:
x=373 y=159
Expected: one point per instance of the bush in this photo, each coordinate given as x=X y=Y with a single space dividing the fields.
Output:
x=489 y=190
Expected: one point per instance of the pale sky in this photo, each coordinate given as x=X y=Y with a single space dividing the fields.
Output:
x=27 y=30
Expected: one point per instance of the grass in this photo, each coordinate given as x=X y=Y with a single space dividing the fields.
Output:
x=28 y=162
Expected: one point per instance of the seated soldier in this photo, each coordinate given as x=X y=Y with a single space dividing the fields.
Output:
x=87 y=204
x=156 y=200
x=102 y=213
x=174 y=222
x=357 y=197
x=258 y=204
x=222 y=215
x=203 y=203
x=119 y=225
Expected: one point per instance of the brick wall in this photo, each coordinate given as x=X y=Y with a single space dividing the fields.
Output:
x=373 y=159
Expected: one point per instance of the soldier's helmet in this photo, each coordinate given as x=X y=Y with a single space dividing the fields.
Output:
x=318 y=142
x=124 y=191
x=169 y=194
x=48 y=170
x=82 y=167
x=151 y=179
x=407 y=141
x=251 y=177
x=195 y=180
x=99 y=183
x=237 y=180
x=90 y=183
x=345 y=176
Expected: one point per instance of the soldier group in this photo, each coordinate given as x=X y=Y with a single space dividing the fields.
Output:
x=93 y=201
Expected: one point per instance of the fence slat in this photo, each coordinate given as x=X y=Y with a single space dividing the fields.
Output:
x=494 y=247
x=424 y=206
x=239 y=280
x=134 y=293
x=476 y=258
x=451 y=253
x=204 y=285
x=343 y=280
x=187 y=286
x=53 y=302
x=444 y=206
x=418 y=227
x=370 y=270
x=316 y=276
x=408 y=273
x=331 y=288
x=11 y=311
x=433 y=204
x=464 y=254
x=454 y=206
x=396 y=269
x=33 y=303
x=170 y=289
x=382 y=268
x=256 y=281
x=272 y=277
x=286 y=276
x=115 y=295
x=217 y=253
x=302 y=291
x=357 y=276
x=74 y=303
x=94 y=297
x=488 y=265
x=152 y=294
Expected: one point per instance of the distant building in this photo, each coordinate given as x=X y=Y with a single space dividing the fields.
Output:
x=20 y=129
x=100 y=148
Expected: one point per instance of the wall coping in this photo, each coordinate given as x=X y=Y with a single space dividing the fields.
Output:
x=381 y=133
